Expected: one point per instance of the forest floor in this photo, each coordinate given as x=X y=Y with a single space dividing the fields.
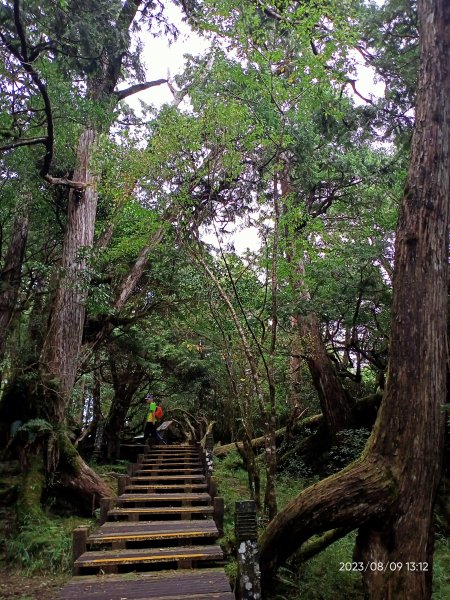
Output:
x=39 y=558
x=33 y=587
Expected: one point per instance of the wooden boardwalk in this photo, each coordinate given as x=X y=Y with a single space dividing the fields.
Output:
x=158 y=540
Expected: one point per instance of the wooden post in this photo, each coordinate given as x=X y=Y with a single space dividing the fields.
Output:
x=79 y=541
x=105 y=505
x=249 y=577
x=132 y=468
x=219 y=509
x=140 y=459
x=122 y=482
x=212 y=486
x=79 y=544
x=209 y=446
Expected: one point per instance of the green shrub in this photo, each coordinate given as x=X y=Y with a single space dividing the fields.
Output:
x=350 y=444
x=43 y=546
x=441 y=569
x=320 y=577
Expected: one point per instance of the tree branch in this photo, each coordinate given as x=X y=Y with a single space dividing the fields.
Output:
x=48 y=140
x=139 y=87
x=24 y=142
x=179 y=95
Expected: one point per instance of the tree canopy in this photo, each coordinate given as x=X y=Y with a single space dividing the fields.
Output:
x=119 y=273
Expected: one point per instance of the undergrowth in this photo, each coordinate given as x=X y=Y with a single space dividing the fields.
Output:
x=44 y=546
x=321 y=577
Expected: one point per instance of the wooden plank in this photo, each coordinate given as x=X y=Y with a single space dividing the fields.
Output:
x=169 y=497
x=166 y=585
x=180 y=478
x=158 y=525
x=172 y=456
x=153 y=530
x=174 y=450
x=96 y=559
x=158 y=470
x=161 y=488
x=163 y=510
x=171 y=466
x=174 y=447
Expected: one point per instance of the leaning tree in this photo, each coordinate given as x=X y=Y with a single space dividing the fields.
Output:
x=389 y=492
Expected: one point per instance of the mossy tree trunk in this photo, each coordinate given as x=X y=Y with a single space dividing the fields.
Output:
x=389 y=493
x=334 y=403
x=409 y=434
x=126 y=383
x=63 y=339
x=10 y=275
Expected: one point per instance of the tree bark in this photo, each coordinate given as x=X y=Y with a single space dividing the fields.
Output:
x=62 y=345
x=10 y=276
x=307 y=342
x=125 y=386
x=333 y=401
x=390 y=492
x=410 y=429
x=255 y=443
x=78 y=482
x=63 y=340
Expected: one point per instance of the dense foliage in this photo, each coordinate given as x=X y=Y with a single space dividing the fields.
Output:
x=271 y=130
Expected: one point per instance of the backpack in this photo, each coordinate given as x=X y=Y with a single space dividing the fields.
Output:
x=159 y=412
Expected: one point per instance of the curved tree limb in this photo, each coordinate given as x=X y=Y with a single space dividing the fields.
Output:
x=48 y=141
x=369 y=491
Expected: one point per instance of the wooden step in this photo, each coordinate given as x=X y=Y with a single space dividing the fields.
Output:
x=130 y=559
x=163 y=488
x=176 y=512
x=171 y=450
x=171 y=465
x=204 y=584
x=168 y=447
x=172 y=478
x=119 y=534
x=169 y=462
x=166 y=498
x=170 y=458
x=158 y=470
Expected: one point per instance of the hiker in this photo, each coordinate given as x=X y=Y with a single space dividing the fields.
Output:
x=154 y=414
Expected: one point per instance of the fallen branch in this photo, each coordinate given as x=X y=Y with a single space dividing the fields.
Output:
x=255 y=443
x=259 y=441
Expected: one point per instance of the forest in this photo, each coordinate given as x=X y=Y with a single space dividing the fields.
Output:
x=317 y=355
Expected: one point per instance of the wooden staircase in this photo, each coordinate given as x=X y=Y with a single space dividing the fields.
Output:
x=158 y=540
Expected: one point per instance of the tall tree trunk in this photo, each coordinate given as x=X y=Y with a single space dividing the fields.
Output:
x=410 y=428
x=307 y=342
x=125 y=384
x=10 y=276
x=333 y=401
x=389 y=493
x=63 y=340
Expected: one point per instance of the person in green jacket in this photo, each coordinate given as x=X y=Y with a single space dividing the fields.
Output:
x=150 y=430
